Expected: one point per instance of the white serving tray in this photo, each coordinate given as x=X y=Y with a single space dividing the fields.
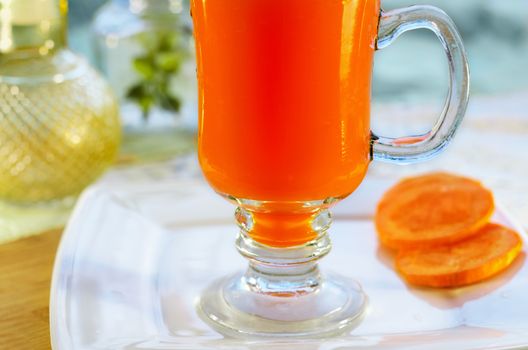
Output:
x=136 y=254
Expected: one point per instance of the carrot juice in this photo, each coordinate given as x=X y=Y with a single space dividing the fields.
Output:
x=284 y=102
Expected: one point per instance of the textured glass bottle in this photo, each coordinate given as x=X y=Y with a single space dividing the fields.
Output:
x=59 y=126
x=146 y=50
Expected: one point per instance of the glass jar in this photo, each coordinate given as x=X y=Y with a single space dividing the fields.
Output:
x=146 y=50
x=59 y=125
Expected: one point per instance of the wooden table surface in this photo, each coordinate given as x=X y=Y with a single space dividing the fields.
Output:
x=25 y=277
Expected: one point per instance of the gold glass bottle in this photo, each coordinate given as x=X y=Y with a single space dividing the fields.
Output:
x=59 y=125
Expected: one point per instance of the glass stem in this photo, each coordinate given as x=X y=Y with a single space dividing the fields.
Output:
x=298 y=280
x=282 y=293
x=291 y=271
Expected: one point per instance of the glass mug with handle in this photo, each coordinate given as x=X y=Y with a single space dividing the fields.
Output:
x=284 y=133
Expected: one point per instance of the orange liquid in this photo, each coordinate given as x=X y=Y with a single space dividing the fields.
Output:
x=284 y=100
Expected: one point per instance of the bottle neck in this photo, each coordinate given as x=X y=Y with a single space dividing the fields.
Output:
x=153 y=6
x=32 y=27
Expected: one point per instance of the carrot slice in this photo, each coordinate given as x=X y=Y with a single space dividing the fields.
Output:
x=490 y=251
x=431 y=210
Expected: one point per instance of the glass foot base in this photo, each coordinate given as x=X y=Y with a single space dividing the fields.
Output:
x=238 y=306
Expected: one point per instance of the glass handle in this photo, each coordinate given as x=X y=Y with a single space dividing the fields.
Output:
x=421 y=147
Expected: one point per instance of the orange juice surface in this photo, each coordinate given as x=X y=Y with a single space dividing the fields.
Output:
x=284 y=101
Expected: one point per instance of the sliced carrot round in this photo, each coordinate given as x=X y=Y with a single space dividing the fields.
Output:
x=431 y=210
x=493 y=249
